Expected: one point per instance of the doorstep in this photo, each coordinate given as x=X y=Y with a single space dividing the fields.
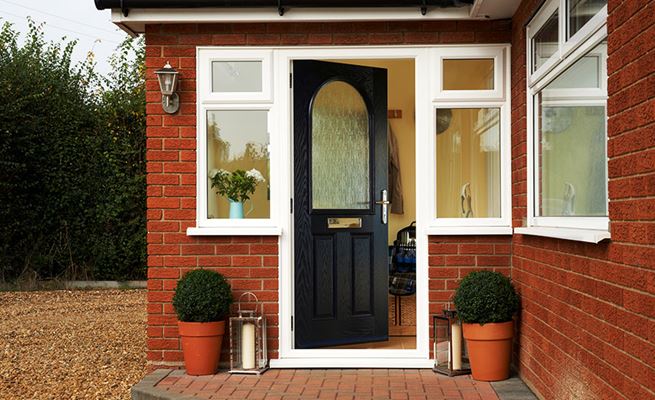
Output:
x=293 y=384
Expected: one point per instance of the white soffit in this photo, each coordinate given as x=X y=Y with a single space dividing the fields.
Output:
x=137 y=18
x=494 y=9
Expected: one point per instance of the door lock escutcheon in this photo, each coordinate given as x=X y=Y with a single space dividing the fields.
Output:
x=385 y=206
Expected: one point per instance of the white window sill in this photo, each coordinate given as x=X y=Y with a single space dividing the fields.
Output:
x=580 y=235
x=468 y=230
x=235 y=231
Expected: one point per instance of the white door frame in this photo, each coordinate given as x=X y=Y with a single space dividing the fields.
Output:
x=353 y=358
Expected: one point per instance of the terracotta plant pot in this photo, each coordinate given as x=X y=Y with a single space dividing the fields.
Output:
x=201 y=345
x=490 y=349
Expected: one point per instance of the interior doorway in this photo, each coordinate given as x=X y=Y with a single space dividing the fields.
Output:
x=334 y=309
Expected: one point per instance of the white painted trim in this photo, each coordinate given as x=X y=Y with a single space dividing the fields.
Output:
x=580 y=235
x=469 y=230
x=234 y=231
x=352 y=363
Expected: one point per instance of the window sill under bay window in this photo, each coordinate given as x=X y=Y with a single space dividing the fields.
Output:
x=577 y=234
x=235 y=231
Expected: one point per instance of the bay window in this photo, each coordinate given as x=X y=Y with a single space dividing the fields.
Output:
x=567 y=122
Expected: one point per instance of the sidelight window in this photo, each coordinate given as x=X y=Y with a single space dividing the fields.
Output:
x=236 y=177
x=470 y=134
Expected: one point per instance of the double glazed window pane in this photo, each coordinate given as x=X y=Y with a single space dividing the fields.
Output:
x=580 y=12
x=236 y=76
x=468 y=163
x=238 y=140
x=545 y=42
x=571 y=141
x=468 y=74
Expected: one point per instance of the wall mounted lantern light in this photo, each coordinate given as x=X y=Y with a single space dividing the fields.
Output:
x=167 y=78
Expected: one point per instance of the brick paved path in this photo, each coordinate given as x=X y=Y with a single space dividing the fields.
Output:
x=351 y=384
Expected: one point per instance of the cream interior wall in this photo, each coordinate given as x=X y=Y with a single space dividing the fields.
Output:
x=401 y=96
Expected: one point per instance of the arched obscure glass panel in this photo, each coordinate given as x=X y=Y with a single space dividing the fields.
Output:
x=340 y=148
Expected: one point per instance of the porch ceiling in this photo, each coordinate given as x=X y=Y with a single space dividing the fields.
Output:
x=134 y=20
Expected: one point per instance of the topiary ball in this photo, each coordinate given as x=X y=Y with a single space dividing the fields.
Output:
x=202 y=296
x=486 y=296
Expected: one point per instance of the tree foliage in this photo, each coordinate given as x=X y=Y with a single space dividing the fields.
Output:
x=72 y=161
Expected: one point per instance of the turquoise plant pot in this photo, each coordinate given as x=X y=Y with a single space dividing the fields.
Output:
x=236 y=209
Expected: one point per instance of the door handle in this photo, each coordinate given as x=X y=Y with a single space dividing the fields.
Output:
x=385 y=206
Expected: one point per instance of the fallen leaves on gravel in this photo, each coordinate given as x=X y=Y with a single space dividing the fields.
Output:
x=71 y=344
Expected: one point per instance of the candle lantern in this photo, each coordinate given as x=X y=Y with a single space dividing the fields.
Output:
x=248 y=353
x=450 y=355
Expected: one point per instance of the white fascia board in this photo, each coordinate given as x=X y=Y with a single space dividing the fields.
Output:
x=137 y=18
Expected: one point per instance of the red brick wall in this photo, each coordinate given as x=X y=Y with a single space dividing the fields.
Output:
x=251 y=263
x=587 y=327
x=452 y=257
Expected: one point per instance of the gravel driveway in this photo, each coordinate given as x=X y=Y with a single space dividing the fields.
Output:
x=71 y=344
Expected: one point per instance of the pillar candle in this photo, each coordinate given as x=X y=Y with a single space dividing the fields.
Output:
x=456 y=337
x=248 y=346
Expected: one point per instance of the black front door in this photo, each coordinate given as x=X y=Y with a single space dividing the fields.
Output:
x=340 y=175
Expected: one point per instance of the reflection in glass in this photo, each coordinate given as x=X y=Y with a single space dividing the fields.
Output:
x=340 y=148
x=468 y=163
x=581 y=11
x=545 y=42
x=236 y=76
x=572 y=141
x=468 y=74
x=238 y=139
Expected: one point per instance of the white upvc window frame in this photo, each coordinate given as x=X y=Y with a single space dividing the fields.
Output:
x=205 y=73
x=585 y=229
x=565 y=47
x=470 y=53
x=497 y=98
x=235 y=101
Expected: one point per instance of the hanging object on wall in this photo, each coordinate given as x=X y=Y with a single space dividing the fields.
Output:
x=444 y=116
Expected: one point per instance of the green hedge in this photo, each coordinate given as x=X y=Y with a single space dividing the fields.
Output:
x=72 y=162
